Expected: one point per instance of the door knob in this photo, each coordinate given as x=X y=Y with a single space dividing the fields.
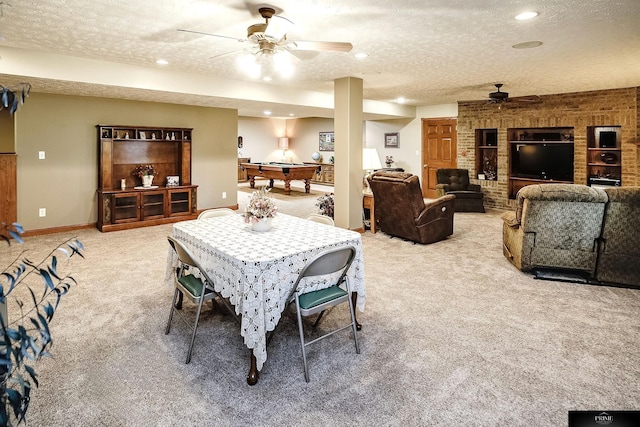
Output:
x=425 y=166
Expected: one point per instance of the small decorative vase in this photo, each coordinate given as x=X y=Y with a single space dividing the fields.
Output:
x=147 y=180
x=263 y=224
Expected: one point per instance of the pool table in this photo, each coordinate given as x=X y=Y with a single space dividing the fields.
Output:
x=283 y=171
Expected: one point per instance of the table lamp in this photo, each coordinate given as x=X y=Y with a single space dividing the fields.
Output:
x=283 y=144
x=370 y=162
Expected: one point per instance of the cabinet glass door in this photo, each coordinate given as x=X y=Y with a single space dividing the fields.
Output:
x=179 y=202
x=125 y=207
x=152 y=205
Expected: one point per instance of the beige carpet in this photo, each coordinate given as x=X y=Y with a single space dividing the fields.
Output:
x=453 y=335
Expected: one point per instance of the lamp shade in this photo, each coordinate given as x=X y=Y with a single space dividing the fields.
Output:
x=370 y=159
x=283 y=143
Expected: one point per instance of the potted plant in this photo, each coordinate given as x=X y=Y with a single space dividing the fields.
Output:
x=146 y=172
x=260 y=209
x=25 y=335
x=325 y=205
x=11 y=98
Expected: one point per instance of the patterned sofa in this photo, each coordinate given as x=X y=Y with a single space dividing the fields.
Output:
x=578 y=229
x=619 y=255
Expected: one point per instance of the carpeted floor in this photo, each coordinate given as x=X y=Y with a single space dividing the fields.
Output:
x=453 y=335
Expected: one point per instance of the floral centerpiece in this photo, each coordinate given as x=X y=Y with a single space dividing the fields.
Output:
x=144 y=170
x=325 y=205
x=260 y=207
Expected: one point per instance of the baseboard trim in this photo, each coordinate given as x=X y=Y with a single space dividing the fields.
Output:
x=53 y=230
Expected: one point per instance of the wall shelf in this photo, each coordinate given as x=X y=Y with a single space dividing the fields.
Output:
x=487 y=153
x=604 y=155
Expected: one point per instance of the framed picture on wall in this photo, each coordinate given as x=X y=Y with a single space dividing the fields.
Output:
x=327 y=143
x=391 y=140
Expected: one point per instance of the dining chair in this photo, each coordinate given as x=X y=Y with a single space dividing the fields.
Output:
x=196 y=289
x=330 y=262
x=323 y=219
x=209 y=213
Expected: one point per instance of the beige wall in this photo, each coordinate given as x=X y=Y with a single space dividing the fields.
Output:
x=64 y=127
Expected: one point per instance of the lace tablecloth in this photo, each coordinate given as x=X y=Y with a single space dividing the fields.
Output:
x=257 y=270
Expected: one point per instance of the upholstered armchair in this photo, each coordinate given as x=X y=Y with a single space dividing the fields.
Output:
x=469 y=197
x=555 y=226
x=401 y=211
x=619 y=259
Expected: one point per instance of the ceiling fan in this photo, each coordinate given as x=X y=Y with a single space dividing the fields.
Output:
x=499 y=97
x=271 y=37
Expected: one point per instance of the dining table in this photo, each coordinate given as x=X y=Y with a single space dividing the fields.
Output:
x=256 y=271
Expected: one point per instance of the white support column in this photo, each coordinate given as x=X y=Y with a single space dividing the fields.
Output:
x=348 y=133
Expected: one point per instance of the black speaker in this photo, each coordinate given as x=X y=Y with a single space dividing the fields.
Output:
x=608 y=139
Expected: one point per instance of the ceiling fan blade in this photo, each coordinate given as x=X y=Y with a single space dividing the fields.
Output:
x=532 y=98
x=323 y=46
x=213 y=35
x=277 y=27
x=226 y=54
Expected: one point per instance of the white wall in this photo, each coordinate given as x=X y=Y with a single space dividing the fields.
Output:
x=408 y=153
x=261 y=137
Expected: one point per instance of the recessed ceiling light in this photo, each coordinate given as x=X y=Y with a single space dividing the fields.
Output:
x=401 y=100
x=526 y=15
x=291 y=114
x=361 y=55
x=267 y=112
x=267 y=78
x=527 y=45
x=162 y=62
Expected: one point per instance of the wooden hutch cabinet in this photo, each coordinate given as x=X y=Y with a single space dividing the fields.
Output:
x=120 y=150
x=324 y=174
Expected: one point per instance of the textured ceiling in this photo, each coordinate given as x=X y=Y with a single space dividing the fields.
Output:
x=430 y=52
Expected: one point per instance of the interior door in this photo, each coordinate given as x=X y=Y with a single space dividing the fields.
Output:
x=439 y=148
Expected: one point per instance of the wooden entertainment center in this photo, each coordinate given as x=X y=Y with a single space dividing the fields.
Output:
x=120 y=150
x=555 y=141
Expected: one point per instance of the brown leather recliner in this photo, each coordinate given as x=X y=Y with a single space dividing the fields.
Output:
x=456 y=181
x=401 y=211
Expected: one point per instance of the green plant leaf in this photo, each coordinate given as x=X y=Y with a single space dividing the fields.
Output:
x=45 y=326
x=15 y=236
x=32 y=374
x=64 y=251
x=47 y=278
x=49 y=310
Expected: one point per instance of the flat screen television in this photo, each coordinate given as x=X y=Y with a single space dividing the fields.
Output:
x=544 y=161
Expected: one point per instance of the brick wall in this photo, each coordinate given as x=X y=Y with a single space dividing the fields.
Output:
x=615 y=107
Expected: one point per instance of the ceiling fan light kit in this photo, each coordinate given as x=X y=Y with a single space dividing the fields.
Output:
x=499 y=97
x=270 y=39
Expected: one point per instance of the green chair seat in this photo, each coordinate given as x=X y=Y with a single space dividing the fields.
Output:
x=312 y=299
x=192 y=284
